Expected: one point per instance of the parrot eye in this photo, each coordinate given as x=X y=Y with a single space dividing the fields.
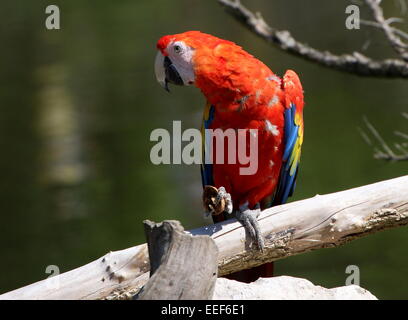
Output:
x=177 y=49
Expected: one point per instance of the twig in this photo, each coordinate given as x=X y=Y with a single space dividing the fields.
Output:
x=393 y=39
x=374 y=24
x=355 y=63
x=385 y=152
x=401 y=134
x=403 y=6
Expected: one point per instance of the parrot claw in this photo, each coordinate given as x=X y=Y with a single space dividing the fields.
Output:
x=216 y=201
x=248 y=219
x=222 y=194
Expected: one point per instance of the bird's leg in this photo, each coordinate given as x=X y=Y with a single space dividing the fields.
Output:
x=216 y=201
x=226 y=197
x=248 y=218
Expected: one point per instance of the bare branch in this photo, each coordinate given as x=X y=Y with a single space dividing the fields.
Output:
x=389 y=157
x=401 y=134
x=393 y=39
x=355 y=63
x=403 y=6
x=398 y=32
x=384 y=152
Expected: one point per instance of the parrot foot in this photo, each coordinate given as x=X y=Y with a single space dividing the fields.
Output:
x=216 y=201
x=248 y=219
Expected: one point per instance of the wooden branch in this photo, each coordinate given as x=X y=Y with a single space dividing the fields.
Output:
x=355 y=63
x=290 y=229
x=183 y=267
x=319 y=222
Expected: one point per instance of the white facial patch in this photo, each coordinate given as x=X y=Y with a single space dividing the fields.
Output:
x=181 y=56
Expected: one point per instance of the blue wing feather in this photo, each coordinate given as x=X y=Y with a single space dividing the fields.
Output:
x=206 y=168
x=288 y=174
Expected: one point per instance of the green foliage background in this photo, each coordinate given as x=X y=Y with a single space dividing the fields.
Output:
x=77 y=106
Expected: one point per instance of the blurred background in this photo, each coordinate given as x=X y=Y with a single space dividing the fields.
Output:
x=77 y=106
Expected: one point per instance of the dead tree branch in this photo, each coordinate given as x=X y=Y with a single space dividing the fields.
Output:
x=319 y=222
x=355 y=63
x=374 y=24
x=399 y=46
x=382 y=150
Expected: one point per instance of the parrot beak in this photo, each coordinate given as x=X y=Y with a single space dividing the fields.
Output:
x=166 y=72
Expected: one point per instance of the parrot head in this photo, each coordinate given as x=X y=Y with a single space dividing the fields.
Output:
x=175 y=59
x=191 y=58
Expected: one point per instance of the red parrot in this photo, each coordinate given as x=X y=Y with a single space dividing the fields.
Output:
x=241 y=93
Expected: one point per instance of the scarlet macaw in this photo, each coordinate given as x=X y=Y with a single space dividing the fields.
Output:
x=241 y=93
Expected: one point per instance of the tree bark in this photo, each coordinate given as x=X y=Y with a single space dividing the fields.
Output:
x=183 y=267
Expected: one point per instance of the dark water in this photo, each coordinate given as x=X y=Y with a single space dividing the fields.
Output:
x=77 y=106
